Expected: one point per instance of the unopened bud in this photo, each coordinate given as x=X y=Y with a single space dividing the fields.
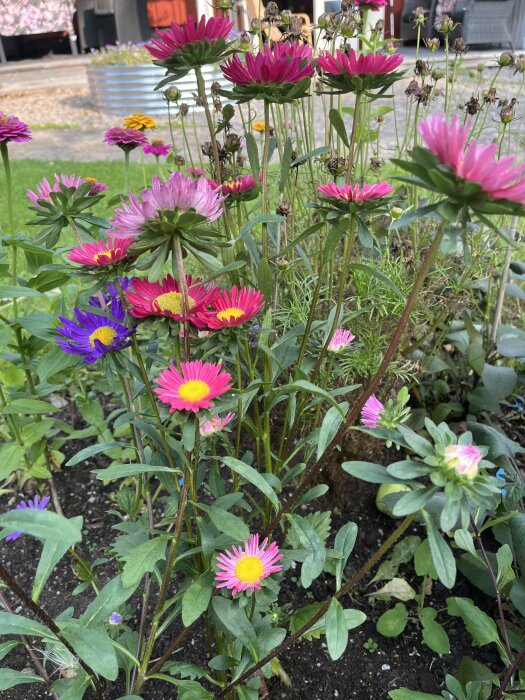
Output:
x=506 y=59
x=433 y=44
x=396 y=212
x=172 y=94
x=437 y=74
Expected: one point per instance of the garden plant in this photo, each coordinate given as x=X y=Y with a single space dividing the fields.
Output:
x=289 y=314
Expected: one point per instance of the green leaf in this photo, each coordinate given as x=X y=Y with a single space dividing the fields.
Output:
x=6 y=647
x=336 y=630
x=9 y=678
x=253 y=155
x=253 y=477
x=373 y=473
x=413 y=501
x=196 y=599
x=441 y=554
x=434 y=634
x=122 y=471
x=14 y=292
x=310 y=541
x=343 y=545
x=11 y=458
x=285 y=164
x=143 y=558
x=30 y=406
x=17 y=624
x=93 y=450
x=42 y=524
x=94 y=646
x=406 y=694
x=393 y=621
x=234 y=620
x=336 y=120
x=53 y=362
x=52 y=553
x=480 y=626
x=373 y=272
x=329 y=428
x=265 y=279
x=109 y=598
x=230 y=524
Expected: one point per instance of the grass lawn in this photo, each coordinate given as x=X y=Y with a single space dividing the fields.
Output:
x=26 y=174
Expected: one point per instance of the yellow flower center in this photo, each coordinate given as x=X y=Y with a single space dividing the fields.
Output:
x=258 y=126
x=106 y=335
x=172 y=301
x=91 y=179
x=226 y=314
x=104 y=254
x=249 y=569
x=194 y=390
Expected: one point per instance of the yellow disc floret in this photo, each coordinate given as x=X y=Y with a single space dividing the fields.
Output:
x=104 y=254
x=105 y=334
x=194 y=390
x=249 y=569
x=140 y=122
x=234 y=311
x=172 y=301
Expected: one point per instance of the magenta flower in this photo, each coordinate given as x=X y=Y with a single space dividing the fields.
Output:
x=95 y=186
x=464 y=459
x=192 y=387
x=177 y=193
x=371 y=413
x=374 y=5
x=500 y=179
x=44 y=189
x=365 y=64
x=168 y=41
x=12 y=129
x=355 y=193
x=164 y=298
x=35 y=503
x=157 y=148
x=100 y=253
x=340 y=340
x=195 y=172
x=279 y=73
x=233 y=307
x=215 y=424
x=245 y=568
x=126 y=139
x=242 y=188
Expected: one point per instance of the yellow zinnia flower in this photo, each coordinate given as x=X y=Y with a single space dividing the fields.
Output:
x=140 y=122
x=258 y=126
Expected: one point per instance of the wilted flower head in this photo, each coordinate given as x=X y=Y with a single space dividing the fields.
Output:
x=93 y=335
x=141 y=122
x=499 y=179
x=245 y=568
x=12 y=129
x=176 y=194
x=126 y=139
x=35 y=503
x=193 y=386
x=340 y=340
x=464 y=459
x=215 y=424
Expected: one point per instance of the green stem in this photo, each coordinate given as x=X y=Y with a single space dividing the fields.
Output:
x=351 y=148
x=264 y=202
x=126 y=171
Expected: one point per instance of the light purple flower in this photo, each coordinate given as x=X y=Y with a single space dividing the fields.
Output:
x=115 y=618
x=464 y=459
x=44 y=188
x=12 y=129
x=35 y=503
x=125 y=138
x=176 y=193
x=371 y=412
x=341 y=339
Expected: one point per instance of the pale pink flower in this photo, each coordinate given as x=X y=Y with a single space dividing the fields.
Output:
x=371 y=412
x=464 y=459
x=245 y=568
x=498 y=178
x=340 y=340
x=215 y=424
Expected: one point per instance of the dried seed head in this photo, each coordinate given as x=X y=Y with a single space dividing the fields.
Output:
x=245 y=41
x=380 y=119
x=296 y=25
x=424 y=95
x=232 y=142
x=207 y=149
x=473 y=106
x=179 y=160
x=215 y=87
x=445 y=24
x=458 y=46
x=412 y=88
x=421 y=69
x=198 y=100
x=506 y=59
x=433 y=44
x=256 y=25
x=183 y=109
x=286 y=16
x=284 y=208
x=271 y=10
x=508 y=111
x=240 y=160
x=324 y=21
x=376 y=163
x=347 y=27
x=217 y=104
x=490 y=97
x=419 y=15
x=519 y=64
x=379 y=27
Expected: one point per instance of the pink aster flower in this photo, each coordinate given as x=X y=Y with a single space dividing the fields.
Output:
x=157 y=148
x=177 y=192
x=232 y=308
x=498 y=178
x=215 y=424
x=95 y=185
x=246 y=567
x=126 y=139
x=364 y=64
x=195 y=172
x=168 y=41
x=355 y=193
x=240 y=185
x=164 y=298
x=101 y=253
x=44 y=188
x=371 y=412
x=374 y=5
x=464 y=459
x=12 y=129
x=194 y=386
x=282 y=63
x=340 y=340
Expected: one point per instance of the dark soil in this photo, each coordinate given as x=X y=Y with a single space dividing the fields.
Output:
x=360 y=673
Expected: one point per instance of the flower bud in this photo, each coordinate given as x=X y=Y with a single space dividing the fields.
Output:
x=437 y=74
x=323 y=21
x=480 y=67
x=390 y=47
x=395 y=213
x=464 y=459
x=286 y=17
x=506 y=59
x=445 y=24
x=347 y=28
x=245 y=41
x=282 y=264
x=433 y=44
x=172 y=94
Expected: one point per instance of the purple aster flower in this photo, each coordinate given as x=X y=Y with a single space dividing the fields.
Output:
x=93 y=335
x=371 y=413
x=35 y=503
x=112 y=291
x=125 y=138
x=176 y=193
x=12 y=129
x=115 y=618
